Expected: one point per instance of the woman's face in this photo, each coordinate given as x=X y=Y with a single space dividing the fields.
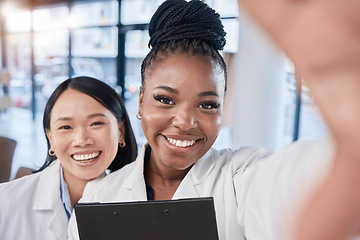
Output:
x=84 y=135
x=181 y=104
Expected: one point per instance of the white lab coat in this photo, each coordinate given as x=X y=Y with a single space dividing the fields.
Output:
x=31 y=207
x=248 y=186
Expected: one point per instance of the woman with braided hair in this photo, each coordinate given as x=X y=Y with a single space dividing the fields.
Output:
x=180 y=107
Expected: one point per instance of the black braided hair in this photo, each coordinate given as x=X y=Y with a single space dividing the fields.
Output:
x=189 y=27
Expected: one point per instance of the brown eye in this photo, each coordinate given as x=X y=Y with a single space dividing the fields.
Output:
x=163 y=99
x=97 y=123
x=209 y=105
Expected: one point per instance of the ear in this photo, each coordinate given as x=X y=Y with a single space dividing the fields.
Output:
x=48 y=135
x=141 y=98
x=122 y=131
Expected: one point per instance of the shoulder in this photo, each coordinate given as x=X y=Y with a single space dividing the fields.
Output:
x=29 y=201
x=296 y=162
x=303 y=154
x=292 y=170
x=241 y=157
x=280 y=184
x=26 y=186
x=17 y=186
x=242 y=154
x=17 y=199
x=228 y=162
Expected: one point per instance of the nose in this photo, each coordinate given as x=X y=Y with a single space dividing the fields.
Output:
x=81 y=138
x=185 y=119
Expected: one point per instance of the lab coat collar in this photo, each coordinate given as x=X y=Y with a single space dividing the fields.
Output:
x=135 y=180
x=202 y=167
x=188 y=187
x=191 y=185
x=137 y=173
x=47 y=193
x=47 y=198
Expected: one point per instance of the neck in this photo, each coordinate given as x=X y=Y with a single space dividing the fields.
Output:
x=164 y=183
x=76 y=187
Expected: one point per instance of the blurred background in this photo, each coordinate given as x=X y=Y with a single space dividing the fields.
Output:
x=44 y=42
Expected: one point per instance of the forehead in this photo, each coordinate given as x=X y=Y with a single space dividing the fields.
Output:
x=182 y=71
x=75 y=103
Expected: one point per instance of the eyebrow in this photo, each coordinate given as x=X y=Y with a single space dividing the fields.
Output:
x=208 y=93
x=170 y=89
x=90 y=116
x=63 y=119
x=203 y=94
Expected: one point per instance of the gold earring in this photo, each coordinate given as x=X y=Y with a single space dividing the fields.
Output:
x=138 y=116
x=51 y=152
x=122 y=144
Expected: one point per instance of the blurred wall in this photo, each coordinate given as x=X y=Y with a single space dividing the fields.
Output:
x=258 y=89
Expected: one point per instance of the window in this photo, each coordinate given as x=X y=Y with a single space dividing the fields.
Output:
x=302 y=118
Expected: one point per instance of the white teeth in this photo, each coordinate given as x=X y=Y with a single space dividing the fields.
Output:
x=180 y=143
x=86 y=157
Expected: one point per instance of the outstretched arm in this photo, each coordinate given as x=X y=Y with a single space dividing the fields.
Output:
x=322 y=38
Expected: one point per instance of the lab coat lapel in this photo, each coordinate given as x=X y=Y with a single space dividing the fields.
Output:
x=58 y=222
x=135 y=182
x=193 y=185
x=48 y=202
x=186 y=189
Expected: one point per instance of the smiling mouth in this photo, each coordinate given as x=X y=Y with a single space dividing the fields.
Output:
x=86 y=157
x=181 y=143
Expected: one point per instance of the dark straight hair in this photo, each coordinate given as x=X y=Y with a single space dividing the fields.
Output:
x=110 y=99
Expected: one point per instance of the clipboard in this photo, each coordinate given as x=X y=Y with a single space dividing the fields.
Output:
x=190 y=219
